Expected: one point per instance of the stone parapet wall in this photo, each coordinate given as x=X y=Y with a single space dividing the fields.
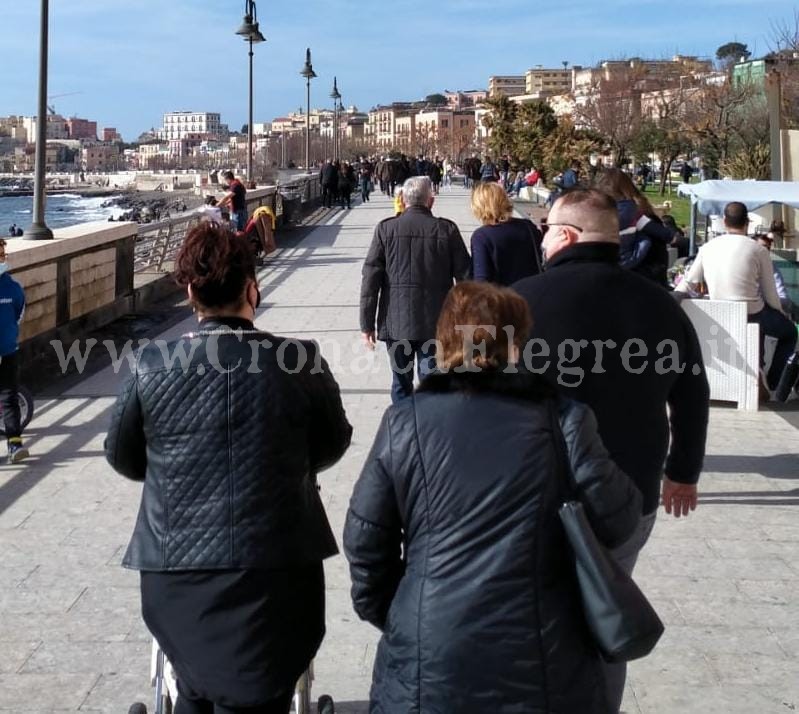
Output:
x=78 y=281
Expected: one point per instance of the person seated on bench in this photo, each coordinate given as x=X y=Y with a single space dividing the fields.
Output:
x=734 y=267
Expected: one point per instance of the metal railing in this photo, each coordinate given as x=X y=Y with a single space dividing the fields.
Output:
x=157 y=244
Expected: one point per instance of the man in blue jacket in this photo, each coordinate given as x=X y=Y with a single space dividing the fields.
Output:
x=12 y=305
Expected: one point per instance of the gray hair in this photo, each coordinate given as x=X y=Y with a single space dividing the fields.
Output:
x=417 y=191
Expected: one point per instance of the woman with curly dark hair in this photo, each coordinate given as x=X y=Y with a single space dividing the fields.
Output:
x=227 y=428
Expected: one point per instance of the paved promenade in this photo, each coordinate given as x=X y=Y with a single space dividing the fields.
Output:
x=725 y=580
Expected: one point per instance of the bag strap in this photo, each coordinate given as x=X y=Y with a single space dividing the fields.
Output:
x=568 y=487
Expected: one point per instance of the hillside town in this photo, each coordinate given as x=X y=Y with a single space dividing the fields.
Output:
x=624 y=110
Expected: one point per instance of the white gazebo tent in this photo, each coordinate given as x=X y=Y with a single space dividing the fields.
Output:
x=710 y=197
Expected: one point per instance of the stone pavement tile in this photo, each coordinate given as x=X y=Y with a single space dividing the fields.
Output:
x=14 y=654
x=77 y=627
x=655 y=697
x=781 y=592
x=788 y=638
x=44 y=692
x=766 y=568
x=114 y=693
x=686 y=588
x=785 y=550
x=728 y=639
x=745 y=613
x=15 y=602
x=753 y=669
x=71 y=657
x=690 y=669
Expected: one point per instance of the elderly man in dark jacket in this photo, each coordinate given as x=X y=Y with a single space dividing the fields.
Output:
x=621 y=344
x=412 y=263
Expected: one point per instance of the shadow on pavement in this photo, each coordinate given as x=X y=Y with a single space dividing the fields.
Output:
x=782 y=466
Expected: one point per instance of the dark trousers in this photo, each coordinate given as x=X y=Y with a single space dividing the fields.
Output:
x=9 y=400
x=774 y=324
x=401 y=355
x=188 y=703
x=327 y=197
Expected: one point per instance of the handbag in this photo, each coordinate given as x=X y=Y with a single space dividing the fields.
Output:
x=622 y=622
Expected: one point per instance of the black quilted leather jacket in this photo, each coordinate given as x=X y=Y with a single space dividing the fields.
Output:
x=228 y=431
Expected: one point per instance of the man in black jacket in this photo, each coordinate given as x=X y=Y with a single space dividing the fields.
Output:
x=621 y=344
x=411 y=265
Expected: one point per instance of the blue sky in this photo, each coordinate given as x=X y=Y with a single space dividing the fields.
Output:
x=132 y=60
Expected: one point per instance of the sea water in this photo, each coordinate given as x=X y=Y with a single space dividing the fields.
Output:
x=61 y=210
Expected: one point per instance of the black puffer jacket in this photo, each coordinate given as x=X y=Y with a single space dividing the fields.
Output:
x=411 y=265
x=457 y=553
x=228 y=446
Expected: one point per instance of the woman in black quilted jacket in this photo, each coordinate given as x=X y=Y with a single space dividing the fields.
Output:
x=455 y=546
x=231 y=532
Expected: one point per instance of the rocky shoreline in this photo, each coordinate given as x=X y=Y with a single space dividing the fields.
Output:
x=152 y=206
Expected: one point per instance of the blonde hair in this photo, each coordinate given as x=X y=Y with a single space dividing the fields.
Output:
x=490 y=204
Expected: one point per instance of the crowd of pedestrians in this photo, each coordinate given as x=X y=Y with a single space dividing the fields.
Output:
x=537 y=343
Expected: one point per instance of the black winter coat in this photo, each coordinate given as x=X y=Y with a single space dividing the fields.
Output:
x=457 y=554
x=228 y=445
x=412 y=263
x=650 y=360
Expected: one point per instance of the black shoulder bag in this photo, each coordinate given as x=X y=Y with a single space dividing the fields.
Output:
x=621 y=620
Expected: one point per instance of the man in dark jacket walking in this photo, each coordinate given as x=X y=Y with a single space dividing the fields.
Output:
x=328 y=179
x=621 y=344
x=411 y=265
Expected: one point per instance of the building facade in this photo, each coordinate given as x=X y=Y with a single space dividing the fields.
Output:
x=179 y=125
x=507 y=85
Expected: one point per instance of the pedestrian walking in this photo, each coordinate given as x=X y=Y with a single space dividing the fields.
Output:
x=504 y=249
x=412 y=263
x=231 y=532
x=625 y=348
x=12 y=307
x=451 y=534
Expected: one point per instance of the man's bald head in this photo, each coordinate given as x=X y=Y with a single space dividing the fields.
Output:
x=581 y=216
x=590 y=209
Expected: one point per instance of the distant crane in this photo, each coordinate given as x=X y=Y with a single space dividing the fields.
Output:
x=51 y=108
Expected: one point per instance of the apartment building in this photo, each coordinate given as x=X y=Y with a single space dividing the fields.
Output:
x=102 y=157
x=444 y=132
x=179 y=125
x=462 y=100
x=389 y=126
x=82 y=129
x=507 y=85
x=544 y=81
x=57 y=127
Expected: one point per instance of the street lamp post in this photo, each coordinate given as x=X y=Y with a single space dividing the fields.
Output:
x=251 y=34
x=39 y=229
x=309 y=74
x=336 y=95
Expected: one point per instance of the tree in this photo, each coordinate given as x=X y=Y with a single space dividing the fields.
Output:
x=662 y=129
x=612 y=109
x=730 y=52
x=565 y=144
x=534 y=123
x=436 y=100
x=245 y=128
x=501 y=122
x=719 y=120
